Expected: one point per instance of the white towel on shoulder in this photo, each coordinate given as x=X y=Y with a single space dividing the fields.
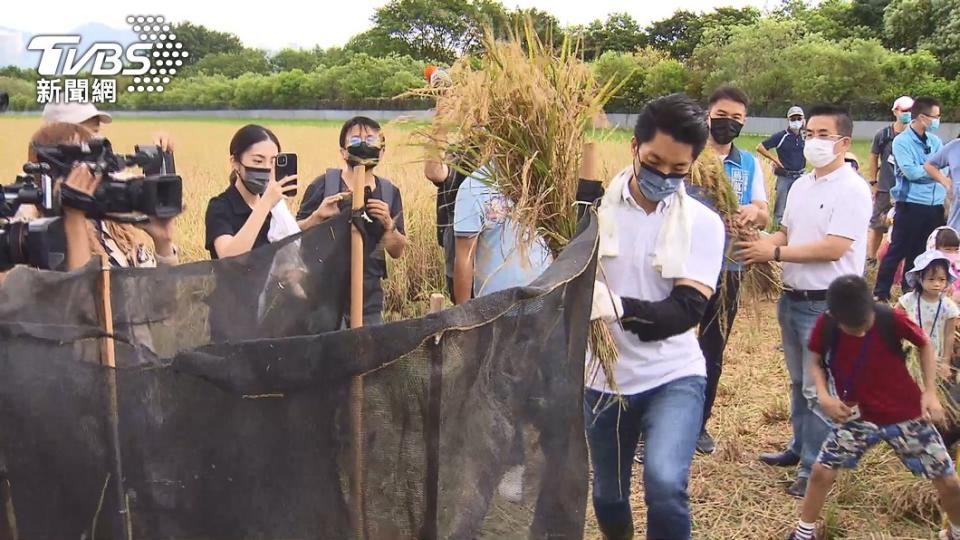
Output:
x=673 y=240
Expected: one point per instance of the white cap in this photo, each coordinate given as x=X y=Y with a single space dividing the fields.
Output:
x=923 y=261
x=903 y=103
x=73 y=113
x=794 y=111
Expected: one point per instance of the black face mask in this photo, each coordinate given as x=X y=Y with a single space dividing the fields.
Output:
x=363 y=154
x=724 y=130
x=255 y=179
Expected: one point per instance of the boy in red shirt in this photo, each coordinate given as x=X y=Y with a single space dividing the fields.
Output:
x=864 y=386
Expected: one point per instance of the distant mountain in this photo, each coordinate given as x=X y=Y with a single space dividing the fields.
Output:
x=13 y=43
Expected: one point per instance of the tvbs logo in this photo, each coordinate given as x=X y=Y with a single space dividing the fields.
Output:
x=107 y=59
x=156 y=53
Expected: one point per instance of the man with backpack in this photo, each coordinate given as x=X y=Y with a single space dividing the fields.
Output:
x=383 y=210
x=880 y=173
x=860 y=371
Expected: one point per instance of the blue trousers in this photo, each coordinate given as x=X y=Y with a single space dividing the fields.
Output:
x=668 y=418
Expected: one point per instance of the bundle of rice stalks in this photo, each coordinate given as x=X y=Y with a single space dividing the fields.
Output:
x=759 y=281
x=520 y=112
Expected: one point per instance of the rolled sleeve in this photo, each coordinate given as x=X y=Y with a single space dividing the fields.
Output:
x=468 y=210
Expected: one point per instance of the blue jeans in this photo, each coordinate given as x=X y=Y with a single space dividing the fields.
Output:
x=810 y=425
x=669 y=419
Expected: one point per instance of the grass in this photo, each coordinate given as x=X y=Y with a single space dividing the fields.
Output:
x=732 y=495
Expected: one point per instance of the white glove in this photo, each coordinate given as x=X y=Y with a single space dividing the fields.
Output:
x=606 y=304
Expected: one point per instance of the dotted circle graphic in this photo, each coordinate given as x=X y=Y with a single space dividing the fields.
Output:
x=166 y=52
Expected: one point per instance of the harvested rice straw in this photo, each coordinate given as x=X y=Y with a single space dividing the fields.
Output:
x=950 y=407
x=520 y=112
x=759 y=281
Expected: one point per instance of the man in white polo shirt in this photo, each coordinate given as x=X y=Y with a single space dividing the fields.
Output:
x=661 y=252
x=824 y=236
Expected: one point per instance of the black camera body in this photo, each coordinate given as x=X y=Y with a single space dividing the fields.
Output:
x=157 y=193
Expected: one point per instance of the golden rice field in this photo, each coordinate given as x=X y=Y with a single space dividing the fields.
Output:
x=733 y=496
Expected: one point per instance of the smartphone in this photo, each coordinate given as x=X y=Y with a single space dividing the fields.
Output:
x=286 y=165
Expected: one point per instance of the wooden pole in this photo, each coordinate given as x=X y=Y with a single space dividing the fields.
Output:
x=108 y=360
x=356 y=384
x=431 y=523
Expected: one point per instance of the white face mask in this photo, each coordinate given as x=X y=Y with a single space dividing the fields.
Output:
x=796 y=124
x=820 y=152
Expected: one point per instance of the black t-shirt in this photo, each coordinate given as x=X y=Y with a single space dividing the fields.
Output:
x=375 y=260
x=447 y=198
x=226 y=214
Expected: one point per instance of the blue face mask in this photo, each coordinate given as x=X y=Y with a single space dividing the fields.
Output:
x=654 y=185
x=905 y=117
x=934 y=125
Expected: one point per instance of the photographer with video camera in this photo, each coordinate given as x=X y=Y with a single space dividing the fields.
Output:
x=69 y=170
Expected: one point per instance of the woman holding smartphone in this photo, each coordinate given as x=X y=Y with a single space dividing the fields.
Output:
x=251 y=212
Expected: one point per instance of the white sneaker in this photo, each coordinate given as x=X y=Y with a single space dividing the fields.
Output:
x=511 y=485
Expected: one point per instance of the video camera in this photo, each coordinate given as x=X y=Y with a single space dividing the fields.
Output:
x=41 y=243
x=158 y=193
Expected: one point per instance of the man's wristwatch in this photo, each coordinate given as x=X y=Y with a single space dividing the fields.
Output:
x=776 y=254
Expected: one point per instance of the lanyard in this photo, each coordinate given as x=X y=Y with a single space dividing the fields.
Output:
x=857 y=364
x=933 y=329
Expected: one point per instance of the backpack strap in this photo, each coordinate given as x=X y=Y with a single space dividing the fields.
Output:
x=387 y=190
x=331 y=182
x=831 y=334
x=885 y=325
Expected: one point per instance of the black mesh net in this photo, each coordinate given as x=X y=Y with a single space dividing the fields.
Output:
x=234 y=409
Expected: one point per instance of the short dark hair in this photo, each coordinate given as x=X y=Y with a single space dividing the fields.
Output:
x=361 y=121
x=947 y=238
x=850 y=301
x=729 y=92
x=925 y=104
x=675 y=115
x=840 y=115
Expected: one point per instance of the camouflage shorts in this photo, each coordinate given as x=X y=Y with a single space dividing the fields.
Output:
x=916 y=442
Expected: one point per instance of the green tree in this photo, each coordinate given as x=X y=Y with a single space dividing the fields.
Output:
x=620 y=32
x=631 y=67
x=429 y=30
x=303 y=59
x=200 y=41
x=232 y=64
x=666 y=77
x=926 y=24
x=680 y=33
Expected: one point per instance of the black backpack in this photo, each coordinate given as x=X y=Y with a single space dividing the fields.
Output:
x=883 y=324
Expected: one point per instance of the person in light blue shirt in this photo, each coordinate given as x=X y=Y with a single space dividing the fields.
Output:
x=918 y=197
x=488 y=255
x=948 y=159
